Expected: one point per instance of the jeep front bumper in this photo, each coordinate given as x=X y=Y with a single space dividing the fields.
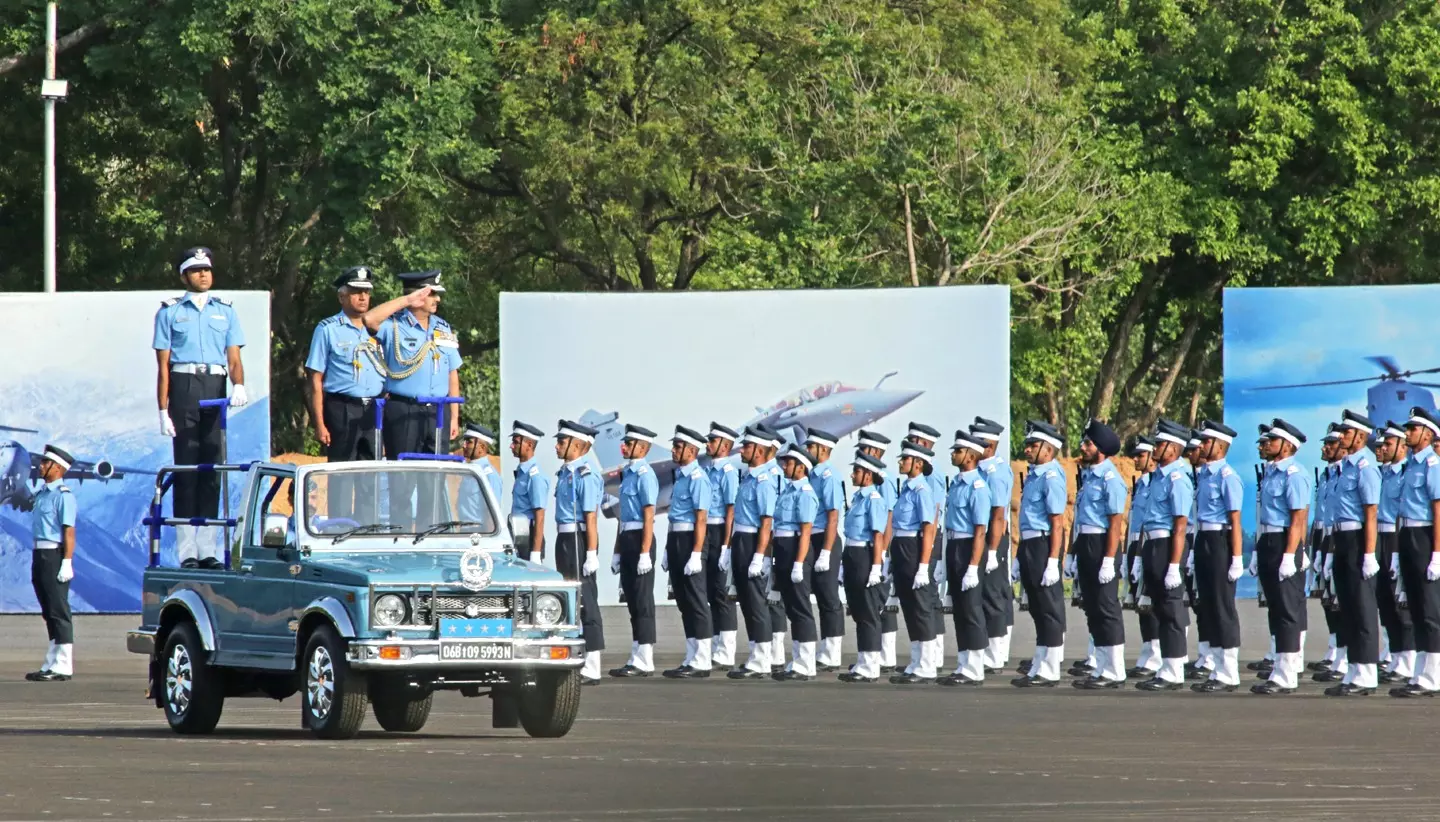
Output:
x=418 y=654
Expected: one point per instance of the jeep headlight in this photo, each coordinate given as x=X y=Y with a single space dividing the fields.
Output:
x=549 y=610
x=389 y=610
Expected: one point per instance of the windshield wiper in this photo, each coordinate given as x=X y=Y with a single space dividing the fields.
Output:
x=445 y=526
x=374 y=528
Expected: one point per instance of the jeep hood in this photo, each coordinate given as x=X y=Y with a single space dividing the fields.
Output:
x=412 y=568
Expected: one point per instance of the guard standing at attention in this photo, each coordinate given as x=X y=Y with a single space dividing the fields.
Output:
x=197 y=344
x=684 y=555
x=926 y=437
x=910 y=551
x=1420 y=550
x=1148 y=661
x=874 y=445
x=578 y=489
x=476 y=445
x=1354 y=507
x=795 y=512
x=1171 y=498
x=997 y=587
x=1218 y=554
x=1391 y=453
x=1042 y=508
x=1203 y=666
x=1335 y=664
x=1099 y=518
x=967 y=515
x=825 y=539
x=345 y=378
x=750 y=545
x=531 y=488
x=719 y=520
x=865 y=524
x=52 y=527
x=1285 y=492
x=634 y=560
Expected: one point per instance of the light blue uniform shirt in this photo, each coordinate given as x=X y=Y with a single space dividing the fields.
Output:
x=1220 y=492
x=578 y=489
x=1284 y=488
x=639 y=489
x=343 y=352
x=530 y=489
x=1042 y=495
x=828 y=491
x=197 y=335
x=889 y=491
x=1322 y=499
x=1421 y=486
x=938 y=490
x=432 y=376
x=689 y=493
x=54 y=509
x=1391 y=485
x=471 y=506
x=1102 y=495
x=867 y=514
x=968 y=503
x=759 y=489
x=1139 y=506
x=796 y=504
x=1000 y=479
x=1171 y=496
x=1358 y=486
x=724 y=488
x=914 y=506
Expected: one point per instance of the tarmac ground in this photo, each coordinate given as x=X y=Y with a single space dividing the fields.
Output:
x=656 y=749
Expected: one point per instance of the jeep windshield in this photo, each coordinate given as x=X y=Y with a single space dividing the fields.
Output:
x=396 y=500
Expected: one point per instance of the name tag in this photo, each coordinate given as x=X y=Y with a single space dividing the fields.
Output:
x=447 y=343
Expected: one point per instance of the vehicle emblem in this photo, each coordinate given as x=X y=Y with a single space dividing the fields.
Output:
x=472 y=610
x=295 y=570
x=476 y=568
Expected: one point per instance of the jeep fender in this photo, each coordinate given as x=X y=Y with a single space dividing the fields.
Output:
x=330 y=609
x=192 y=604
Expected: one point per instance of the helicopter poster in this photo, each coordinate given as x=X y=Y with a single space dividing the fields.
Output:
x=80 y=373
x=838 y=360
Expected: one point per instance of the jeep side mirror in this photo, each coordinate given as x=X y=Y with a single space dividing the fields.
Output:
x=277 y=528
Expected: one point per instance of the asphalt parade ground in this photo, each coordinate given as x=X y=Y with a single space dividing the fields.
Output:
x=655 y=749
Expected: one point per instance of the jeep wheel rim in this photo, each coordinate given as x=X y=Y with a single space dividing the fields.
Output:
x=320 y=683
x=179 y=678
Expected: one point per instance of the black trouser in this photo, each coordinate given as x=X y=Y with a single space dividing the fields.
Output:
x=639 y=589
x=795 y=595
x=1359 y=614
x=752 y=592
x=1168 y=605
x=1423 y=595
x=1149 y=625
x=197 y=442
x=1286 y=598
x=690 y=591
x=410 y=428
x=826 y=586
x=966 y=607
x=351 y=423
x=537 y=545
x=1192 y=590
x=722 y=610
x=1047 y=602
x=570 y=561
x=1394 y=616
x=915 y=603
x=937 y=603
x=865 y=601
x=1103 y=615
x=1334 y=620
x=53 y=595
x=889 y=622
x=1220 y=625
x=997 y=593
x=777 y=606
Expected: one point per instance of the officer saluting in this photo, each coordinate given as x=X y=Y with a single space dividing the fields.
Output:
x=1042 y=504
x=634 y=556
x=531 y=488
x=1099 y=512
x=1285 y=492
x=967 y=514
x=685 y=552
x=1217 y=556
x=51 y=563
x=719 y=520
x=865 y=523
x=578 y=489
x=344 y=366
x=197 y=343
x=476 y=445
x=998 y=588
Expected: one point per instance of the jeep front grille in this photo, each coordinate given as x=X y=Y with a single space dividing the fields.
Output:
x=429 y=609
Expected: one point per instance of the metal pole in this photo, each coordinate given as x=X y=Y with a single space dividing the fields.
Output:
x=51 y=50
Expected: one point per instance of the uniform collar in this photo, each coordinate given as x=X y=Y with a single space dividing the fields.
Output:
x=635 y=464
x=576 y=464
x=1214 y=466
x=1420 y=456
x=916 y=481
x=1041 y=467
x=54 y=485
x=797 y=483
x=196 y=299
x=1282 y=465
x=1098 y=469
x=527 y=463
x=1354 y=459
x=1177 y=465
x=483 y=462
x=764 y=466
x=345 y=320
x=970 y=475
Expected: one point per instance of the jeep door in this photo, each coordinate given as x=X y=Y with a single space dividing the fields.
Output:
x=260 y=632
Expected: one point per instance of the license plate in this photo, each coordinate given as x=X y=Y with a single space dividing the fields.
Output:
x=476 y=651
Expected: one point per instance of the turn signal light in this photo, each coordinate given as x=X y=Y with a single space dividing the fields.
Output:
x=553 y=652
x=390 y=652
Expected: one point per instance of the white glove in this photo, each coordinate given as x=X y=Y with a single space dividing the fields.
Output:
x=1255 y=564
x=67 y=572
x=724 y=557
x=1014 y=570
x=1107 y=570
x=1432 y=571
x=822 y=562
x=1236 y=568
x=646 y=565
x=757 y=566
x=1190 y=562
x=840 y=574
x=615 y=564
x=1136 y=569
x=971 y=579
x=1370 y=567
x=922 y=576
x=665 y=561
x=1287 y=566
x=167 y=427
x=1172 y=576
x=992 y=561
x=694 y=565
x=1070 y=567
x=1395 y=567
x=941 y=574
x=592 y=563
x=1328 y=567
x=1304 y=560
x=237 y=396
x=1052 y=572
x=874 y=579
x=797 y=573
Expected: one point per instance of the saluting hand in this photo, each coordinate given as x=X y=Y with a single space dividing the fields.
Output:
x=417 y=298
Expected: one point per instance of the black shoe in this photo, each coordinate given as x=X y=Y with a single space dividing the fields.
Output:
x=777 y=669
x=746 y=673
x=852 y=677
x=585 y=680
x=826 y=669
x=911 y=679
x=1269 y=688
x=1328 y=676
x=212 y=564
x=992 y=671
x=958 y=680
x=628 y=671
x=1322 y=665
x=791 y=676
x=1032 y=682
x=1158 y=684
x=47 y=676
x=685 y=672
x=1212 y=686
x=1082 y=665
x=1348 y=689
x=1023 y=668
x=887 y=669
x=1081 y=671
x=190 y=563
x=1411 y=692
x=1261 y=665
x=1141 y=673
x=1198 y=675
x=674 y=673
x=35 y=676
x=1390 y=678
x=1098 y=683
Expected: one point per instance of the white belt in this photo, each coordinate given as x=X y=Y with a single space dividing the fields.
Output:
x=682 y=526
x=45 y=545
x=745 y=529
x=1406 y=522
x=959 y=534
x=1094 y=529
x=569 y=527
x=907 y=533
x=857 y=543
x=197 y=368
x=1386 y=527
x=784 y=533
x=1158 y=533
x=1349 y=526
x=1325 y=530
x=1033 y=534
x=1272 y=529
x=631 y=526
x=1213 y=526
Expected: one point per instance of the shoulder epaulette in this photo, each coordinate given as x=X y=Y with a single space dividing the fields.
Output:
x=979 y=483
x=826 y=474
x=222 y=300
x=1294 y=469
x=534 y=469
x=1226 y=471
x=1362 y=463
x=1432 y=459
x=64 y=489
x=170 y=302
x=584 y=471
x=726 y=467
x=805 y=486
x=873 y=493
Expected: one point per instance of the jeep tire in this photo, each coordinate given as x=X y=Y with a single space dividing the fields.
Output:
x=333 y=698
x=398 y=707
x=191 y=692
x=548 y=708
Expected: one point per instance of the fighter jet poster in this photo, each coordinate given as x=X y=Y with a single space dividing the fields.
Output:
x=838 y=360
x=79 y=372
